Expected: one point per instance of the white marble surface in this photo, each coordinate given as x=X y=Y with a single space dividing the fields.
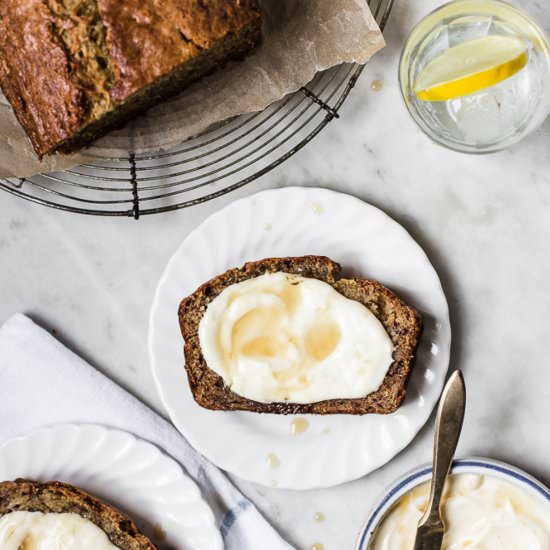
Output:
x=484 y=221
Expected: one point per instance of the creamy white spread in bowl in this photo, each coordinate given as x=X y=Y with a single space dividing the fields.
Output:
x=488 y=505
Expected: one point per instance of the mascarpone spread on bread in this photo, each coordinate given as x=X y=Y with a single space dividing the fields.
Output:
x=39 y=531
x=280 y=337
x=480 y=513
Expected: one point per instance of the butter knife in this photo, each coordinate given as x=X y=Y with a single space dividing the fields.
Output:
x=448 y=424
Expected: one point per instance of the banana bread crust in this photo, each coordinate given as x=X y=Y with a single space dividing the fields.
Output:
x=147 y=43
x=74 y=69
x=402 y=322
x=23 y=495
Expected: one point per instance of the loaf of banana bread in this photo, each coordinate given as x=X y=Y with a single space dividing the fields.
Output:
x=75 y=69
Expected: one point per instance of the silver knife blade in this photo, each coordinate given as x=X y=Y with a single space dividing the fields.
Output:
x=429 y=537
x=448 y=424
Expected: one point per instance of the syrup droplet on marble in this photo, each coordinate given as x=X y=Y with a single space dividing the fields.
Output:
x=267 y=226
x=317 y=207
x=158 y=532
x=319 y=517
x=376 y=85
x=317 y=546
x=299 y=426
x=272 y=460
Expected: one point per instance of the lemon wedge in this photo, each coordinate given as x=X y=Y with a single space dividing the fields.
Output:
x=471 y=66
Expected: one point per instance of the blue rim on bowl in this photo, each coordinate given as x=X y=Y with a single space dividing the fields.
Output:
x=423 y=473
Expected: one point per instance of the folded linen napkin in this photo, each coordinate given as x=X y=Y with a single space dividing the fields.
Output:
x=35 y=368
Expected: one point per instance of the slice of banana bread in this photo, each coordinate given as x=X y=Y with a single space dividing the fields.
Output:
x=23 y=495
x=75 y=69
x=402 y=323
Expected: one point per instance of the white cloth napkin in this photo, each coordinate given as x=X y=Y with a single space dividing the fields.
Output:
x=36 y=369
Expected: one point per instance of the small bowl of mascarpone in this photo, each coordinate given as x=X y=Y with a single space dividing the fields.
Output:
x=487 y=505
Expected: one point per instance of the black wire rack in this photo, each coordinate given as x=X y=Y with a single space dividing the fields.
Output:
x=218 y=161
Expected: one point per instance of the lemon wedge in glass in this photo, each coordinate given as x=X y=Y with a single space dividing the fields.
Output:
x=471 y=66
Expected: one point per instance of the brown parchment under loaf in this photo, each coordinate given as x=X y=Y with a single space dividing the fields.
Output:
x=75 y=69
x=56 y=497
x=402 y=322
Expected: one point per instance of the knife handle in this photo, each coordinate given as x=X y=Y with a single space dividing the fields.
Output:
x=448 y=425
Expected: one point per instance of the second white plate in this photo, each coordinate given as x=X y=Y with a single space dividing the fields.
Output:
x=297 y=221
x=129 y=473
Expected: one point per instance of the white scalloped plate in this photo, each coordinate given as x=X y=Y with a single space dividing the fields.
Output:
x=129 y=473
x=296 y=221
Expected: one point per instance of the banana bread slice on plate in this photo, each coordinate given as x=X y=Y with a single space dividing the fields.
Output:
x=73 y=70
x=61 y=502
x=401 y=322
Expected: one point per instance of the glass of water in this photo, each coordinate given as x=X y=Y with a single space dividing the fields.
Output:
x=492 y=105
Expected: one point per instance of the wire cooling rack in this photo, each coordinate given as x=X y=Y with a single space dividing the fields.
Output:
x=218 y=161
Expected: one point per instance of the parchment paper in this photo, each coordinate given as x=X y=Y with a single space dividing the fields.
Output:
x=300 y=38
